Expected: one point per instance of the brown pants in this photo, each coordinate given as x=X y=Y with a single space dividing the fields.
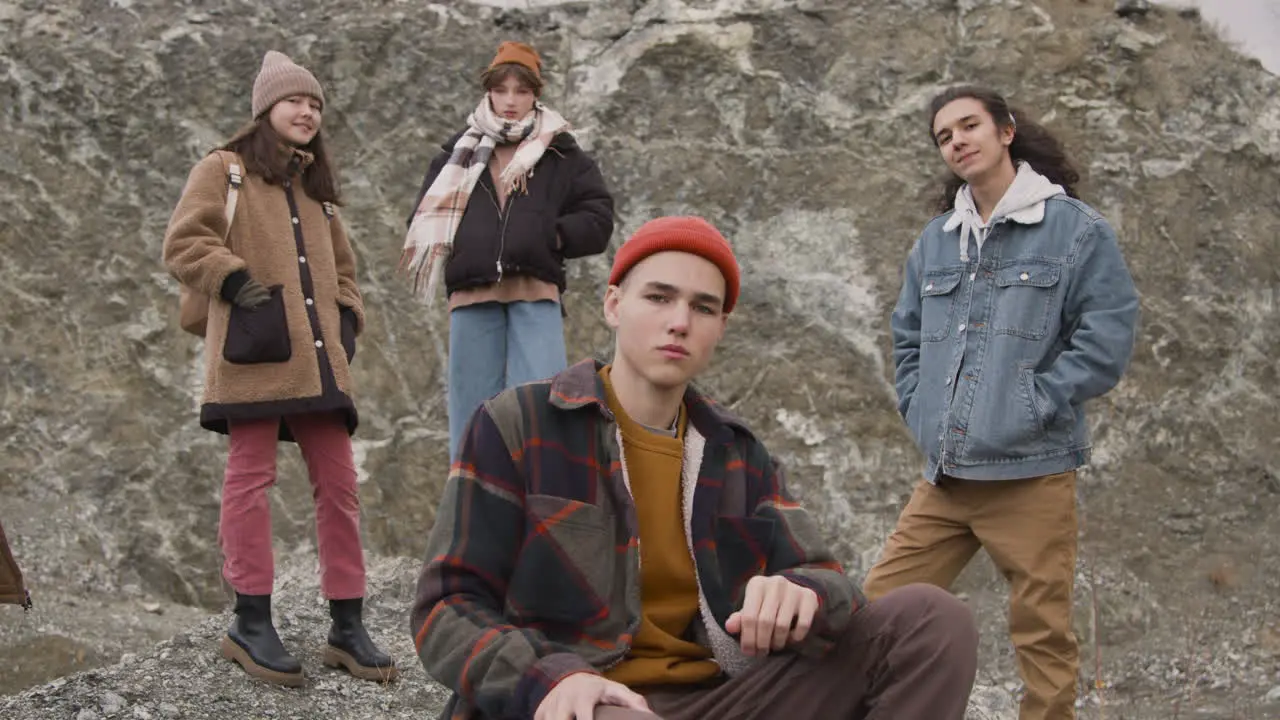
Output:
x=911 y=655
x=1028 y=527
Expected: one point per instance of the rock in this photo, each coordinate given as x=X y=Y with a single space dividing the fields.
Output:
x=991 y=703
x=1134 y=41
x=1273 y=695
x=1132 y=8
x=1271 y=481
x=1185 y=526
x=112 y=703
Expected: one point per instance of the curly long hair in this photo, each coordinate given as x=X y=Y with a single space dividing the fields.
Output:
x=1032 y=142
x=264 y=154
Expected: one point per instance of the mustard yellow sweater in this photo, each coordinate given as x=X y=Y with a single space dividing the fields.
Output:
x=668 y=583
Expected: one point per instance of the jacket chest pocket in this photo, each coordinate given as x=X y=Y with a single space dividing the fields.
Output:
x=565 y=570
x=1027 y=296
x=938 y=303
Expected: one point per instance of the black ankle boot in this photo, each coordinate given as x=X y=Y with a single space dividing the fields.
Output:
x=351 y=647
x=252 y=641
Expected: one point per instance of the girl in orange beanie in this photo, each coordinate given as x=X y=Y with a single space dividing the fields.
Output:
x=505 y=202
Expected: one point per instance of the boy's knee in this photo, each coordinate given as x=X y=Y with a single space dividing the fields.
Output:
x=930 y=611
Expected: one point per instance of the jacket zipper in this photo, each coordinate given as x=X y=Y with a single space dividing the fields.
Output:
x=502 y=237
x=504 y=213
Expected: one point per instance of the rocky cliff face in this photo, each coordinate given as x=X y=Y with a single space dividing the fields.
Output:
x=794 y=125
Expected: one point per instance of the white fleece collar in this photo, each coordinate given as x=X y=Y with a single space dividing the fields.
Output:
x=1022 y=203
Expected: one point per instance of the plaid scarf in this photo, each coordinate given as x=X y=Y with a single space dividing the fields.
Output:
x=429 y=241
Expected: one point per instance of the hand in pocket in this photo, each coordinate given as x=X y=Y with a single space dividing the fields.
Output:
x=259 y=334
x=252 y=295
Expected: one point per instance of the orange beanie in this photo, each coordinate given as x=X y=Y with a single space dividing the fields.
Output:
x=687 y=234
x=520 y=54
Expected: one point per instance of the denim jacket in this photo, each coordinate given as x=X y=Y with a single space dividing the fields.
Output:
x=995 y=355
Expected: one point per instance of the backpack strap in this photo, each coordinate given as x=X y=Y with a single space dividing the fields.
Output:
x=234 y=180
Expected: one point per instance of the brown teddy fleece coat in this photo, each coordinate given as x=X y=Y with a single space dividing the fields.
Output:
x=290 y=356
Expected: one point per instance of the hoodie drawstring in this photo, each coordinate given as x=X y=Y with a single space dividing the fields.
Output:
x=1023 y=202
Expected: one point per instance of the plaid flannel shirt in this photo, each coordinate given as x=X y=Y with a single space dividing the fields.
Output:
x=532 y=570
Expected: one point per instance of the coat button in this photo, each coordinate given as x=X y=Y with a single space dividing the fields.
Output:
x=310 y=301
x=961 y=328
x=302 y=259
x=319 y=343
x=929 y=286
x=1024 y=276
x=948 y=382
x=295 y=221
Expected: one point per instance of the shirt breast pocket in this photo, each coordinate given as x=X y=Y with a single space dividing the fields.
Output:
x=938 y=303
x=565 y=571
x=1027 y=294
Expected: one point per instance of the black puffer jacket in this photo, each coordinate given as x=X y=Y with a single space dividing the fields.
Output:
x=567 y=199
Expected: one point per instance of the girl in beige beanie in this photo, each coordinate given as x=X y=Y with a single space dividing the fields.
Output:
x=257 y=238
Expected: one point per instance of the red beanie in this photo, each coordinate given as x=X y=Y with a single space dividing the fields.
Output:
x=687 y=234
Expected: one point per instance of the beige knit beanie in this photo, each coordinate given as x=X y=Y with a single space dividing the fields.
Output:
x=280 y=78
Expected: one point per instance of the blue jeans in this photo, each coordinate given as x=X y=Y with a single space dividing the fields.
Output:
x=494 y=346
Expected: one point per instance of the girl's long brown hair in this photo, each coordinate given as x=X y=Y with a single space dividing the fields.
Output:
x=1032 y=142
x=265 y=154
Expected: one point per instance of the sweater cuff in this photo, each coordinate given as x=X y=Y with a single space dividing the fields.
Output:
x=231 y=286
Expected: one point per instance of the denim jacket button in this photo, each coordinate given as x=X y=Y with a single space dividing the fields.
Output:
x=1024 y=276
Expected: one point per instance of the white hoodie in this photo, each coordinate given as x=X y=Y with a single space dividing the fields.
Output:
x=1022 y=203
